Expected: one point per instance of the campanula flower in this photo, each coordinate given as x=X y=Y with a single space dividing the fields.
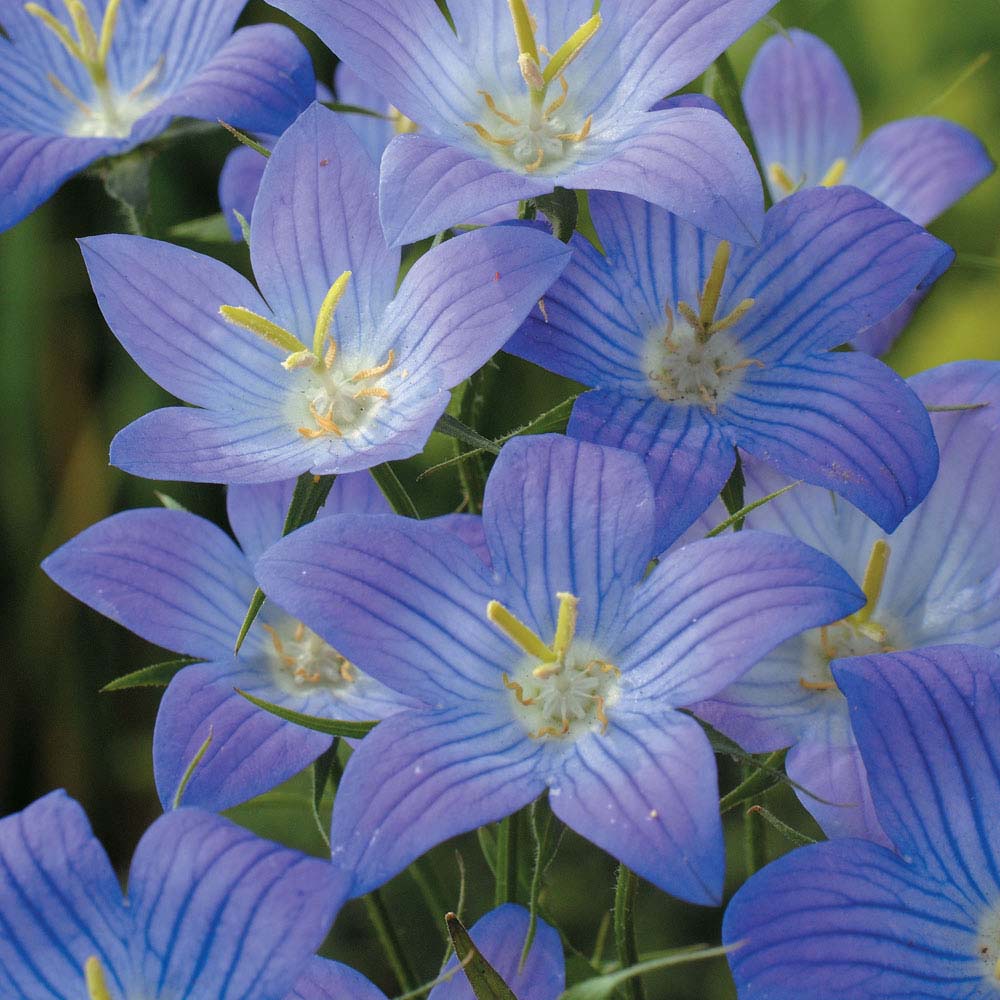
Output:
x=328 y=368
x=850 y=918
x=179 y=581
x=693 y=347
x=517 y=101
x=806 y=121
x=85 y=79
x=935 y=580
x=211 y=910
x=559 y=665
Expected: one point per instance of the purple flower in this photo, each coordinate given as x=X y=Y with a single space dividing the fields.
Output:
x=212 y=911
x=557 y=666
x=84 y=80
x=327 y=368
x=854 y=919
x=692 y=349
x=932 y=581
x=498 y=126
x=180 y=582
x=806 y=121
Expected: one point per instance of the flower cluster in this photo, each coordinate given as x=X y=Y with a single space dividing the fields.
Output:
x=752 y=537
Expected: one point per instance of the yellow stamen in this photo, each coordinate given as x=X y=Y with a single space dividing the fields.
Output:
x=578 y=136
x=61 y=87
x=97 y=985
x=518 y=632
x=331 y=354
x=734 y=317
x=602 y=716
x=492 y=105
x=560 y=100
x=781 y=178
x=57 y=28
x=571 y=48
x=517 y=689
x=488 y=136
x=377 y=391
x=298 y=360
x=693 y=319
x=300 y=631
x=377 y=370
x=84 y=30
x=532 y=74
x=536 y=162
x=745 y=363
x=108 y=30
x=565 y=623
x=324 y=319
x=873 y=580
x=996 y=970
x=709 y=301
x=835 y=174
x=346 y=674
x=149 y=79
x=524 y=28
x=829 y=650
x=817 y=685
x=547 y=731
x=708 y=399
x=246 y=319
x=324 y=423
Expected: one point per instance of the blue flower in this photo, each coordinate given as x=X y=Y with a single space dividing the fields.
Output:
x=556 y=666
x=934 y=580
x=84 y=79
x=180 y=582
x=806 y=121
x=850 y=918
x=498 y=126
x=327 y=368
x=694 y=348
x=212 y=911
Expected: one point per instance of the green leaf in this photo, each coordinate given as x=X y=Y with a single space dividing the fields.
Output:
x=247 y=140
x=788 y=832
x=322 y=770
x=332 y=727
x=760 y=780
x=191 y=768
x=394 y=491
x=209 y=229
x=453 y=427
x=737 y=518
x=126 y=180
x=732 y=494
x=562 y=210
x=546 y=832
x=157 y=675
x=486 y=982
x=603 y=987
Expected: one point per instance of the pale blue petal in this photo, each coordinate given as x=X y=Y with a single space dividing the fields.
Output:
x=373 y=132
x=325 y=980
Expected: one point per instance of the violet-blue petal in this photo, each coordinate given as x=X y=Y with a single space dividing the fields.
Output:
x=647 y=792
x=844 y=421
x=878 y=339
x=405 y=601
x=687 y=455
x=565 y=515
x=162 y=302
x=500 y=937
x=428 y=184
x=850 y=918
x=710 y=610
x=60 y=903
x=802 y=108
x=926 y=724
x=326 y=980
x=219 y=912
x=169 y=576
x=374 y=132
x=251 y=750
x=316 y=216
x=920 y=166
x=461 y=301
x=259 y=80
x=832 y=262
x=690 y=161
x=468 y=527
x=420 y=778
x=239 y=182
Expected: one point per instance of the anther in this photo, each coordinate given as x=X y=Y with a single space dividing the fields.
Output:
x=835 y=174
x=518 y=632
x=817 y=685
x=149 y=79
x=345 y=672
x=517 y=689
x=565 y=623
x=537 y=162
x=377 y=391
x=781 y=178
x=578 y=136
x=532 y=73
x=602 y=716
x=709 y=301
x=247 y=319
x=488 y=136
x=560 y=100
x=492 y=105
x=97 y=985
x=381 y=369
x=324 y=318
x=571 y=48
x=874 y=578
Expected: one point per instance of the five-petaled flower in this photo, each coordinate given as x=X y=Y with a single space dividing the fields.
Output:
x=556 y=666
x=85 y=79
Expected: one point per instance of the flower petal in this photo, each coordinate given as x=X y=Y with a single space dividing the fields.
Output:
x=687 y=455
x=405 y=601
x=421 y=777
x=167 y=575
x=219 y=912
x=920 y=166
x=162 y=302
x=316 y=216
x=647 y=792
x=710 y=610
x=326 y=980
x=239 y=182
x=373 y=132
x=60 y=903
x=461 y=301
x=843 y=421
x=500 y=937
x=849 y=918
x=565 y=515
x=802 y=108
x=926 y=725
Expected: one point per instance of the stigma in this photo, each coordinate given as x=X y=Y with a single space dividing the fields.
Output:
x=535 y=130
x=559 y=690
x=694 y=359
x=112 y=114
x=97 y=985
x=302 y=661
x=335 y=396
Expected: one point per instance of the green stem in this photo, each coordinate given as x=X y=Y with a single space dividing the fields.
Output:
x=426 y=880
x=506 y=872
x=386 y=934
x=624 y=924
x=754 y=833
x=472 y=471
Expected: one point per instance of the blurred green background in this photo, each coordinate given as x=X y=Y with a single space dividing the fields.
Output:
x=66 y=387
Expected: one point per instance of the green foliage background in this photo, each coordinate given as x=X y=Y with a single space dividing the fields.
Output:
x=66 y=387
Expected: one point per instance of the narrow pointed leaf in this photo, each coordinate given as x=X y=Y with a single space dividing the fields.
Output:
x=331 y=727
x=485 y=981
x=155 y=675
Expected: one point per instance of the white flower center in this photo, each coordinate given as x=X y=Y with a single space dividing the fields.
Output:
x=302 y=662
